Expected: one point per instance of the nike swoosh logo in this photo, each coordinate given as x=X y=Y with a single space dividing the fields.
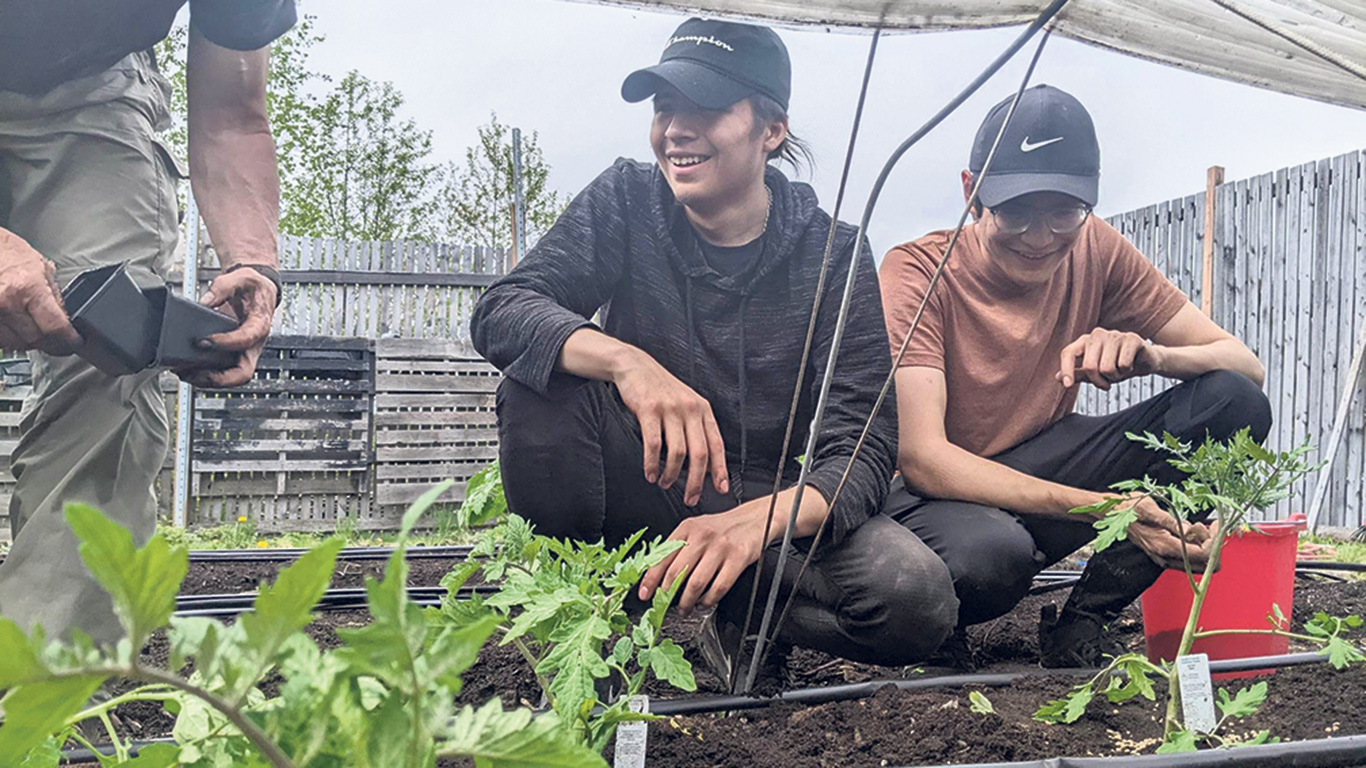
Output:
x=1025 y=146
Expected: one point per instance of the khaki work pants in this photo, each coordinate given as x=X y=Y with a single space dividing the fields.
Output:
x=85 y=181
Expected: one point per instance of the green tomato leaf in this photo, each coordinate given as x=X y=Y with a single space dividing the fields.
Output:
x=1342 y=653
x=286 y=607
x=1068 y=709
x=575 y=661
x=484 y=498
x=668 y=664
x=142 y=582
x=1181 y=741
x=19 y=662
x=453 y=651
x=35 y=711
x=1246 y=702
x=497 y=739
x=979 y=703
x=621 y=652
x=45 y=755
x=1114 y=527
x=387 y=647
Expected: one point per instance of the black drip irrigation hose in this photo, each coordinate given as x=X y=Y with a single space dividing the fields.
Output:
x=224 y=605
x=1324 y=753
x=285 y=554
x=696 y=705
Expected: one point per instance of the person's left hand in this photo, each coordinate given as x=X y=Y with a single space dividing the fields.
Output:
x=719 y=548
x=250 y=297
x=1104 y=358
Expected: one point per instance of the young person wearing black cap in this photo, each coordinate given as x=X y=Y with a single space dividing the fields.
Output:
x=1038 y=297
x=670 y=415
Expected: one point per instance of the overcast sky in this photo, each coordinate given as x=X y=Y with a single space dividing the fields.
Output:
x=555 y=67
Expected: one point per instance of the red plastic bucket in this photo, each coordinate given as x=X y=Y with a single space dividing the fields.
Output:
x=1257 y=571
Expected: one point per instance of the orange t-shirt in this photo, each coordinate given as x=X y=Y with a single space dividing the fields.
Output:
x=998 y=343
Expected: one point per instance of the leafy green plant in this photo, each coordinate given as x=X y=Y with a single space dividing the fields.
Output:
x=560 y=605
x=383 y=698
x=1230 y=480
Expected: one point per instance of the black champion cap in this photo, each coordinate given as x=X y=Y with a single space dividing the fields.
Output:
x=1050 y=146
x=716 y=63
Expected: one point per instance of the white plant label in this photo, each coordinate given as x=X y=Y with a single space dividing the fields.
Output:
x=631 y=736
x=1197 y=693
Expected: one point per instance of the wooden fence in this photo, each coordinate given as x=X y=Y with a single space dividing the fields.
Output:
x=377 y=290
x=1289 y=277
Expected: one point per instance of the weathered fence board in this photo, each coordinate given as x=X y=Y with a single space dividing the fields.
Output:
x=434 y=418
x=292 y=450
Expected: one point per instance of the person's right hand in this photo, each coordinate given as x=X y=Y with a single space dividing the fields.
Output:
x=1156 y=532
x=31 y=313
x=676 y=420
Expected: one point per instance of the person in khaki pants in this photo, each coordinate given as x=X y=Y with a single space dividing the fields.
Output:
x=85 y=182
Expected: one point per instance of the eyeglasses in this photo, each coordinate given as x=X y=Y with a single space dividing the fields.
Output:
x=1017 y=219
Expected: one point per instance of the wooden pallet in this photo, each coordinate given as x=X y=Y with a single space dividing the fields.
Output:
x=434 y=418
x=291 y=449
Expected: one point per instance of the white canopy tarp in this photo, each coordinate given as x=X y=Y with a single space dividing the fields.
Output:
x=1199 y=35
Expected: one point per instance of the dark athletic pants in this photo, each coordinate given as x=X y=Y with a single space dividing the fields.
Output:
x=571 y=465
x=994 y=555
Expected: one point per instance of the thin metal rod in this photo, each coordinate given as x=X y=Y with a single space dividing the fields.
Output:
x=1349 y=388
x=786 y=547
x=810 y=336
x=920 y=313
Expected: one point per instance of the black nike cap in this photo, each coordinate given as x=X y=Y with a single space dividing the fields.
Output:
x=717 y=63
x=1050 y=146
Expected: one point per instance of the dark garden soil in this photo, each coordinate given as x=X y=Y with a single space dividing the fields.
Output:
x=891 y=728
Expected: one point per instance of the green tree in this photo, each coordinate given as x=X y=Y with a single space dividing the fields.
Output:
x=475 y=201
x=364 y=173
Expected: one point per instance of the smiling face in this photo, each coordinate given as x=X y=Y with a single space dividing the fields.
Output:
x=1030 y=257
x=711 y=158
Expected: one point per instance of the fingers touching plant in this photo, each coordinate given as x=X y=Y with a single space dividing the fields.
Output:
x=1229 y=480
x=561 y=604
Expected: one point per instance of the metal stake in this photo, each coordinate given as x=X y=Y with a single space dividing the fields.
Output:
x=185 y=392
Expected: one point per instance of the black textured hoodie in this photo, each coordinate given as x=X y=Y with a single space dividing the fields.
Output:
x=736 y=340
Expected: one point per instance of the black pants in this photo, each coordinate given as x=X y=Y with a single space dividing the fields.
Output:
x=572 y=465
x=994 y=555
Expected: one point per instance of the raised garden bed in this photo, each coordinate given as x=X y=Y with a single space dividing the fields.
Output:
x=891 y=728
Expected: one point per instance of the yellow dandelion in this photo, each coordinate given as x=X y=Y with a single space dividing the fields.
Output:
x=262 y=544
x=242 y=519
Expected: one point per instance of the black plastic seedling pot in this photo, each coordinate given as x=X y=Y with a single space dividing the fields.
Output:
x=128 y=329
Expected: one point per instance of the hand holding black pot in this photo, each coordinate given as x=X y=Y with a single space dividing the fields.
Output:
x=251 y=298
x=31 y=313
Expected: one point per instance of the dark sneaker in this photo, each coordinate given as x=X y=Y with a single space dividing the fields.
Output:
x=719 y=643
x=1074 y=639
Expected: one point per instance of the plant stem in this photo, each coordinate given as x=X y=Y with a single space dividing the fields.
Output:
x=533 y=661
x=1281 y=633
x=120 y=751
x=1188 y=635
x=258 y=738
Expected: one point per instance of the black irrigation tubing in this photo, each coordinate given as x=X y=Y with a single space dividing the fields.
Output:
x=83 y=755
x=223 y=605
x=288 y=554
x=284 y=554
x=694 y=705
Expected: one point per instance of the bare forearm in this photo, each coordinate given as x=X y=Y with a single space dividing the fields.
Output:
x=232 y=153
x=1225 y=354
x=593 y=354
x=949 y=472
x=236 y=185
